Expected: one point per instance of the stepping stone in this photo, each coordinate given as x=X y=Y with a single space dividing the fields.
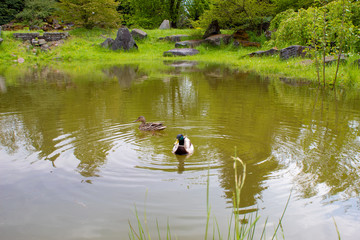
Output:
x=189 y=43
x=181 y=52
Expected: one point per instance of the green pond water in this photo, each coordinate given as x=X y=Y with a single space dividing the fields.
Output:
x=73 y=165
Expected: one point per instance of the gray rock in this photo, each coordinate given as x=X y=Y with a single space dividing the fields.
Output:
x=26 y=36
x=165 y=25
x=174 y=38
x=138 y=34
x=107 y=43
x=212 y=29
x=1 y=40
x=294 y=51
x=189 y=43
x=219 y=39
x=49 y=37
x=55 y=36
x=264 y=53
x=34 y=42
x=123 y=40
x=42 y=42
x=181 y=52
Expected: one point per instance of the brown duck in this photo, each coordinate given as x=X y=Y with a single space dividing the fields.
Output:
x=144 y=126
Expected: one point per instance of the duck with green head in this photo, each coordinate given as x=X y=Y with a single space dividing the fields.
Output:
x=144 y=126
x=182 y=146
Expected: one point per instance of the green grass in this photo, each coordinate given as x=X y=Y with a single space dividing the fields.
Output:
x=240 y=226
x=83 y=47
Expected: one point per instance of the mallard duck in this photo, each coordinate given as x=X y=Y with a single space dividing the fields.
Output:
x=182 y=146
x=144 y=126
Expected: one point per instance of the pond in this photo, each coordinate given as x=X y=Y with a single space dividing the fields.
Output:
x=75 y=166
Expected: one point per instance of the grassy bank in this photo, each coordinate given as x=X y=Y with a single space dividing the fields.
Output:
x=83 y=47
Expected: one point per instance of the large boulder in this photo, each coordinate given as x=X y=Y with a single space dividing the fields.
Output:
x=181 y=52
x=189 y=43
x=123 y=40
x=218 y=39
x=138 y=34
x=165 y=25
x=294 y=51
x=212 y=29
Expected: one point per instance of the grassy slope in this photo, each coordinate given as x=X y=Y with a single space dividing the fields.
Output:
x=84 y=47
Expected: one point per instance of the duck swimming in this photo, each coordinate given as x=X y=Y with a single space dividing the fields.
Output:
x=144 y=126
x=182 y=146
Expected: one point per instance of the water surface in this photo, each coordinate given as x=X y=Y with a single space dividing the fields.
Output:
x=73 y=165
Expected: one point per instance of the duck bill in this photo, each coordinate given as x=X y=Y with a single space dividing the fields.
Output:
x=176 y=142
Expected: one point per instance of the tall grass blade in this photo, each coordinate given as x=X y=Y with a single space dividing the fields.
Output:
x=282 y=216
x=337 y=229
x=207 y=204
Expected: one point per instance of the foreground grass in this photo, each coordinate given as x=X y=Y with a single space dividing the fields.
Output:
x=83 y=47
x=239 y=227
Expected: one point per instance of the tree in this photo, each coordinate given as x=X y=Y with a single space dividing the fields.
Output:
x=233 y=13
x=196 y=8
x=90 y=13
x=36 y=11
x=9 y=8
x=150 y=13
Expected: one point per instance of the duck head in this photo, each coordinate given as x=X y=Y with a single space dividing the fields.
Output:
x=180 y=139
x=140 y=119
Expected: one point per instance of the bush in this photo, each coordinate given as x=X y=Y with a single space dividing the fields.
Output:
x=306 y=26
x=36 y=11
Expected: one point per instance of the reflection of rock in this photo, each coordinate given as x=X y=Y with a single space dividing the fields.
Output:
x=2 y=85
x=181 y=63
x=125 y=74
x=181 y=52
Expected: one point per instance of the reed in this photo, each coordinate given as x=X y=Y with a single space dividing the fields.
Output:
x=237 y=229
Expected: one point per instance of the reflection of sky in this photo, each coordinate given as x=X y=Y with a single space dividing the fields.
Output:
x=89 y=159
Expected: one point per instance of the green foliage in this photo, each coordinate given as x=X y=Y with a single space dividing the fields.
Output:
x=9 y=8
x=275 y=22
x=147 y=13
x=150 y=13
x=301 y=27
x=36 y=11
x=196 y=8
x=248 y=13
x=90 y=13
x=283 y=5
